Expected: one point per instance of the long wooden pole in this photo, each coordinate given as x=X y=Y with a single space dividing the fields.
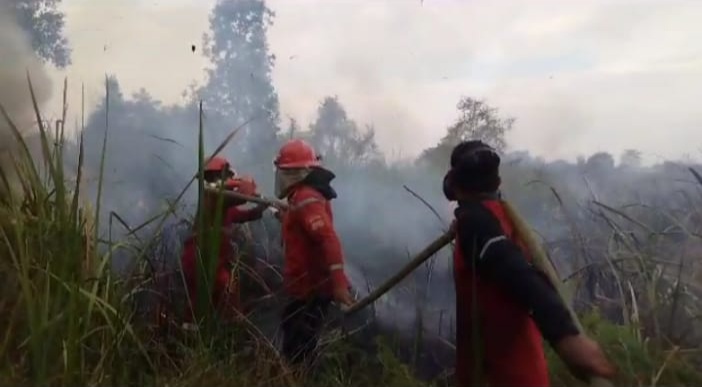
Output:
x=445 y=239
x=542 y=262
x=420 y=258
x=248 y=198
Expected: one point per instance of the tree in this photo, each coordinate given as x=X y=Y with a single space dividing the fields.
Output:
x=239 y=86
x=477 y=121
x=338 y=138
x=631 y=158
x=599 y=163
x=44 y=23
x=151 y=152
x=293 y=128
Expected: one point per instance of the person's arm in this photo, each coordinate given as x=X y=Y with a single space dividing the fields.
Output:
x=320 y=228
x=498 y=259
x=213 y=198
x=251 y=214
x=278 y=213
x=238 y=215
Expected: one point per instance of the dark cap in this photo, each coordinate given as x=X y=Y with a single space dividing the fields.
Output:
x=475 y=167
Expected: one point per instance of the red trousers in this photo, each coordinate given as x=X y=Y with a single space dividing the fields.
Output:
x=225 y=292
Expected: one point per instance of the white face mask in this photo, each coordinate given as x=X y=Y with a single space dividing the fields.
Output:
x=278 y=184
x=286 y=178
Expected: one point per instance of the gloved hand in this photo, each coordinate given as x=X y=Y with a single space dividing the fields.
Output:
x=585 y=358
x=277 y=212
x=342 y=295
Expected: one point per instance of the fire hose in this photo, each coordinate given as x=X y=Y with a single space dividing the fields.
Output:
x=540 y=261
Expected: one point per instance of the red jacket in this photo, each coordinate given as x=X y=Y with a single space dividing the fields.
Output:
x=313 y=256
x=226 y=257
x=232 y=217
x=510 y=342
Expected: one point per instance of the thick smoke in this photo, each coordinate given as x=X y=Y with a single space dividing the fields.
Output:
x=152 y=153
x=381 y=224
x=18 y=59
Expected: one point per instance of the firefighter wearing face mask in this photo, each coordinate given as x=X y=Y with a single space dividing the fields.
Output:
x=313 y=272
x=225 y=291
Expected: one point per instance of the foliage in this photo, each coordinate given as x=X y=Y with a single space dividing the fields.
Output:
x=338 y=138
x=599 y=163
x=45 y=23
x=641 y=362
x=239 y=86
x=293 y=129
x=141 y=155
x=60 y=299
x=631 y=158
x=477 y=121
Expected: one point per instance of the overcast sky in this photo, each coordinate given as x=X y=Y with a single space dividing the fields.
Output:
x=579 y=76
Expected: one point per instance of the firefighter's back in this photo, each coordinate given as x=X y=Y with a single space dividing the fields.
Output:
x=509 y=341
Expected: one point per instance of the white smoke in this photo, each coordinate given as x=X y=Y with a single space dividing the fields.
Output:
x=17 y=60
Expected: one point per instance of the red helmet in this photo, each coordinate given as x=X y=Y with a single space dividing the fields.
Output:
x=244 y=185
x=297 y=154
x=216 y=164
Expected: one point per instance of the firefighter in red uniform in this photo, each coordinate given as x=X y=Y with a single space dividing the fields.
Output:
x=313 y=272
x=225 y=293
x=504 y=305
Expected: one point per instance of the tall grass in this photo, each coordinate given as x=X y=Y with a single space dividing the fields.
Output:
x=69 y=320
x=649 y=345
x=63 y=313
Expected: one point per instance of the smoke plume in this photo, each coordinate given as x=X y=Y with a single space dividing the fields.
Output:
x=152 y=153
x=18 y=60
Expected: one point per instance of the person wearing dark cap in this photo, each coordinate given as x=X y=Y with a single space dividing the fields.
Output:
x=505 y=306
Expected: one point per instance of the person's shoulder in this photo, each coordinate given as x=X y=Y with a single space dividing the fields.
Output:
x=468 y=209
x=474 y=214
x=305 y=194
